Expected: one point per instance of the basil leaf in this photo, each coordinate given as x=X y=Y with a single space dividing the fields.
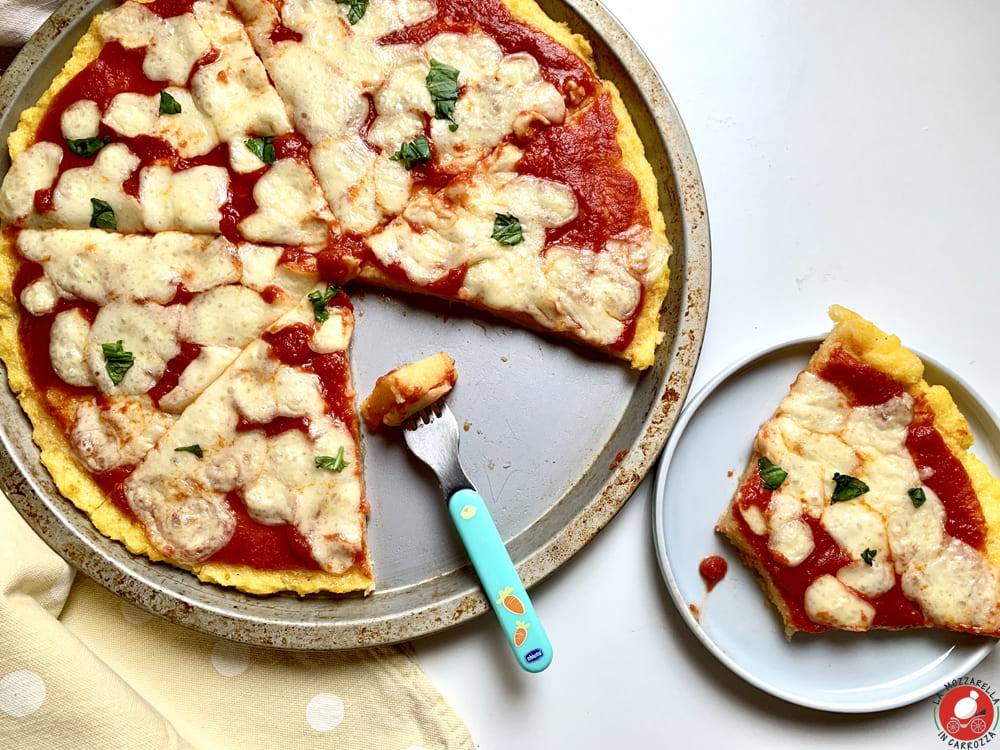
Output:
x=117 y=361
x=356 y=11
x=410 y=154
x=442 y=83
x=87 y=147
x=507 y=229
x=262 y=148
x=869 y=556
x=917 y=496
x=169 y=105
x=319 y=302
x=102 y=216
x=770 y=474
x=846 y=488
x=195 y=449
x=332 y=463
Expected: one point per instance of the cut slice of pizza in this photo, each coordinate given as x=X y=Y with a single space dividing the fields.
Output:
x=470 y=152
x=164 y=119
x=258 y=483
x=862 y=506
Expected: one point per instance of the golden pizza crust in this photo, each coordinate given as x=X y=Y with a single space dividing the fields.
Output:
x=401 y=393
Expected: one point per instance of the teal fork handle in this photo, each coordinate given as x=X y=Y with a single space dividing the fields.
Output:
x=500 y=580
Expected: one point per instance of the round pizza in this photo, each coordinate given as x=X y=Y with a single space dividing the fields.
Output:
x=191 y=202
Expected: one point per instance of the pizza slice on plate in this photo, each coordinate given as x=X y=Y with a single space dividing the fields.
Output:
x=862 y=506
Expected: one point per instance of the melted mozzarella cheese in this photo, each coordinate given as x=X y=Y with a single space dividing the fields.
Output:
x=102 y=180
x=829 y=602
x=181 y=499
x=34 y=169
x=173 y=45
x=118 y=433
x=97 y=266
x=290 y=210
x=190 y=200
x=80 y=120
x=189 y=131
x=147 y=330
x=814 y=434
x=68 y=339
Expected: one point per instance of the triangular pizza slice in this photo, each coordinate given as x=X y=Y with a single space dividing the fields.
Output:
x=258 y=483
x=862 y=506
x=108 y=337
x=470 y=152
x=164 y=119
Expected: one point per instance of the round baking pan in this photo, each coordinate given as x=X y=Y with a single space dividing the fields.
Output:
x=555 y=438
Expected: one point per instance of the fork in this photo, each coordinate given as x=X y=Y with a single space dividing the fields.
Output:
x=432 y=436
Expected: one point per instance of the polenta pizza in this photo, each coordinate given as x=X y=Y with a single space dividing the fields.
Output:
x=862 y=506
x=192 y=200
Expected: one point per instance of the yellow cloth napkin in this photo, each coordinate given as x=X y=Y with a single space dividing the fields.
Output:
x=81 y=668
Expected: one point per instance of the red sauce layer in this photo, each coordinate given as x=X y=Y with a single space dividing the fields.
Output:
x=863 y=384
x=280 y=547
x=712 y=570
x=945 y=474
x=558 y=65
x=583 y=153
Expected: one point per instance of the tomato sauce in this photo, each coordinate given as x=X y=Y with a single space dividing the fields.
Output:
x=175 y=368
x=170 y=8
x=558 y=65
x=280 y=547
x=863 y=384
x=712 y=569
x=945 y=474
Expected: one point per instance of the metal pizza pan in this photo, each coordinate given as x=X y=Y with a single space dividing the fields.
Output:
x=555 y=438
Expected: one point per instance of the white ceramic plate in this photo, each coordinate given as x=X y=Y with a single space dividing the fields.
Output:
x=698 y=473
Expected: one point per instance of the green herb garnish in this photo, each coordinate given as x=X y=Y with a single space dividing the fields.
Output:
x=263 y=148
x=507 y=229
x=847 y=488
x=87 y=147
x=442 y=82
x=102 y=216
x=917 y=496
x=869 y=556
x=169 y=105
x=117 y=361
x=417 y=150
x=319 y=302
x=332 y=463
x=356 y=11
x=770 y=474
x=195 y=449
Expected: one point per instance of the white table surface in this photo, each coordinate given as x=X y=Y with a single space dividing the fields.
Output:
x=850 y=153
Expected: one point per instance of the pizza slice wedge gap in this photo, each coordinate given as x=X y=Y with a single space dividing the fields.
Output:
x=862 y=506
